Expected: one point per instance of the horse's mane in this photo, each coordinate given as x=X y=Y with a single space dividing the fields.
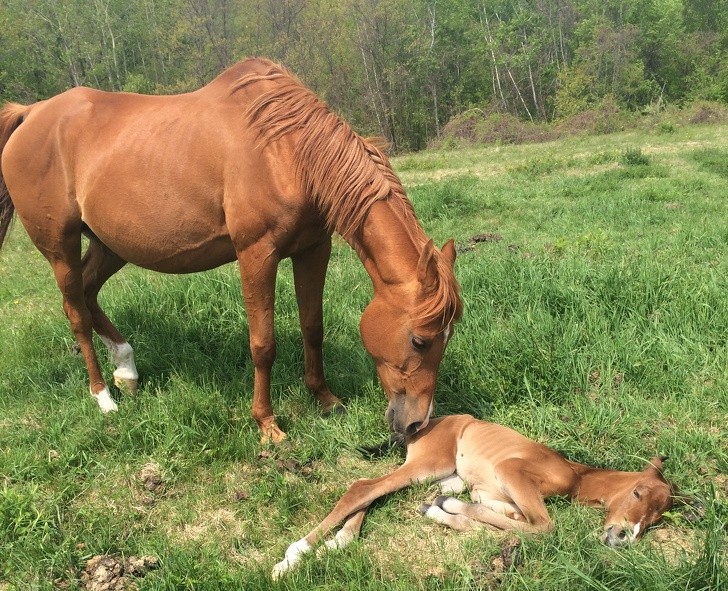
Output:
x=344 y=173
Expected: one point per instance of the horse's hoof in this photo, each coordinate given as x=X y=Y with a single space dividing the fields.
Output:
x=272 y=434
x=337 y=410
x=129 y=385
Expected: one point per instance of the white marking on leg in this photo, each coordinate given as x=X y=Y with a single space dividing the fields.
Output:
x=293 y=555
x=106 y=403
x=436 y=514
x=122 y=356
x=452 y=484
x=343 y=538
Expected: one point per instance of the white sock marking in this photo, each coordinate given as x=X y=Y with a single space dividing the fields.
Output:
x=106 y=403
x=122 y=355
x=452 y=484
x=293 y=555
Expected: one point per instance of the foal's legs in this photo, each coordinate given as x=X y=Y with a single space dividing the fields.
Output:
x=98 y=264
x=463 y=516
x=258 y=266
x=361 y=494
x=309 y=273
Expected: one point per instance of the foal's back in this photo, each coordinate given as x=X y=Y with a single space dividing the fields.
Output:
x=488 y=453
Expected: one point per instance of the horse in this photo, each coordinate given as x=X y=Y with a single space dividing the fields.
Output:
x=508 y=476
x=253 y=168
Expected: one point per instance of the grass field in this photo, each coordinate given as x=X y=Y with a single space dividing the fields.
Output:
x=596 y=321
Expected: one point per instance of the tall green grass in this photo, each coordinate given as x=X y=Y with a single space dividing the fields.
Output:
x=596 y=321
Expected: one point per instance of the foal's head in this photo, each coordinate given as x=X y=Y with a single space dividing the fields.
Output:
x=632 y=510
x=406 y=331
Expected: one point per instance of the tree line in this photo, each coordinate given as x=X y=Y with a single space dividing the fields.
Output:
x=396 y=68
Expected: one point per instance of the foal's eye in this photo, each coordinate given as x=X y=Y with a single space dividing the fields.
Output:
x=419 y=343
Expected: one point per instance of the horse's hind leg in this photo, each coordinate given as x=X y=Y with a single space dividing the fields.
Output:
x=64 y=255
x=98 y=264
x=309 y=272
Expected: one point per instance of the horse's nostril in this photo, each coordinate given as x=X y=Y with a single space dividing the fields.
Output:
x=412 y=428
x=622 y=535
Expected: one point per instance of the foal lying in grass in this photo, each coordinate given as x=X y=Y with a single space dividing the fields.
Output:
x=508 y=476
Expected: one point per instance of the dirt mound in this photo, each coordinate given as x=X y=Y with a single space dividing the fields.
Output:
x=151 y=477
x=115 y=573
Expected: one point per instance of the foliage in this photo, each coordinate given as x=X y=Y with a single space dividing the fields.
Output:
x=401 y=69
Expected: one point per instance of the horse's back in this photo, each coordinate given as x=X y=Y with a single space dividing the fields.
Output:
x=136 y=169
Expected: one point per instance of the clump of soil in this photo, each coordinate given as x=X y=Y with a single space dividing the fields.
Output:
x=114 y=573
x=151 y=477
x=490 y=574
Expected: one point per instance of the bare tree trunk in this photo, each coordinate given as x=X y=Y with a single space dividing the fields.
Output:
x=369 y=81
x=433 y=81
x=489 y=39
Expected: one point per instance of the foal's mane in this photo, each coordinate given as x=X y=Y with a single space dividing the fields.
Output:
x=344 y=173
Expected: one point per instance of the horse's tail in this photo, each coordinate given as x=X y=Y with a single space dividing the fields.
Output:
x=11 y=116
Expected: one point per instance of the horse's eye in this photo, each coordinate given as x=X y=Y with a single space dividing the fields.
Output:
x=636 y=493
x=419 y=343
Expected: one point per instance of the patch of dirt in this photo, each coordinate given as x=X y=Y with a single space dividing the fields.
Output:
x=675 y=543
x=210 y=525
x=151 y=477
x=489 y=574
x=115 y=573
x=478 y=238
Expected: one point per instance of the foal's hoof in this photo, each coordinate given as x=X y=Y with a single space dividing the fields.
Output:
x=423 y=508
x=129 y=385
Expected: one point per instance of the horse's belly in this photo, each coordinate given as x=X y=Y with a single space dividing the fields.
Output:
x=167 y=246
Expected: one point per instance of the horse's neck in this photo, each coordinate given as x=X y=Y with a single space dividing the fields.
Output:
x=389 y=244
x=598 y=486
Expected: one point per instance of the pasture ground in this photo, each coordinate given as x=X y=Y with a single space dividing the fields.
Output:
x=595 y=276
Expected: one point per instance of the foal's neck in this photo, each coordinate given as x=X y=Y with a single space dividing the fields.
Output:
x=598 y=486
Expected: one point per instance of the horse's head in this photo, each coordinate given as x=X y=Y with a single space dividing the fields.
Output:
x=637 y=507
x=406 y=330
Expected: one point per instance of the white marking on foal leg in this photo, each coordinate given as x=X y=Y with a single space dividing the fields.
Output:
x=452 y=485
x=106 y=403
x=123 y=357
x=343 y=538
x=456 y=522
x=293 y=555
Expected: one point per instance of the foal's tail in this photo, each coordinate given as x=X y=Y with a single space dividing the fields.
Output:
x=11 y=116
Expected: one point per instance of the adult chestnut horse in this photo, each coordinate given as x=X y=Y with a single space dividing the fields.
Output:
x=252 y=167
x=508 y=476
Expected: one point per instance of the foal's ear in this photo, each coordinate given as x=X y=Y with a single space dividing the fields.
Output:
x=449 y=253
x=427 y=268
x=656 y=464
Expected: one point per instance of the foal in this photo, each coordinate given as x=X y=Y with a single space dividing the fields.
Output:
x=508 y=476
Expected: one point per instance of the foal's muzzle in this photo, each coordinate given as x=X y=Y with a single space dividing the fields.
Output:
x=616 y=536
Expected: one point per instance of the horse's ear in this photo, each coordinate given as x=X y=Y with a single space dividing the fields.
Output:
x=449 y=253
x=427 y=268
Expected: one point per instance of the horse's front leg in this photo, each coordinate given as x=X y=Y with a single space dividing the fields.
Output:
x=309 y=273
x=258 y=266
